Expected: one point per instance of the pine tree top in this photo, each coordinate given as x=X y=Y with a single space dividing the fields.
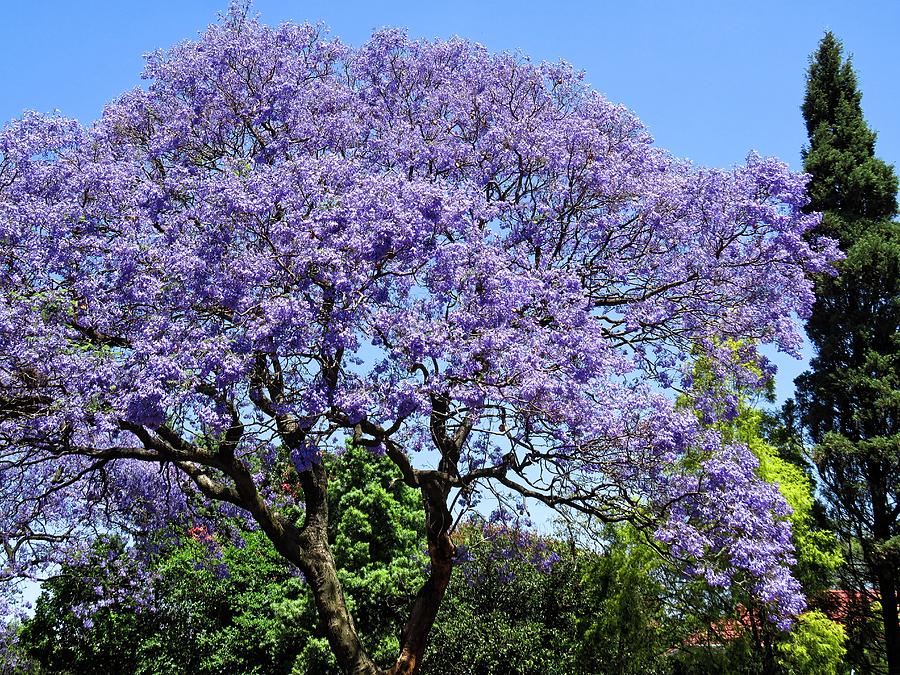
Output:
x=848 y=181
x=830 y=82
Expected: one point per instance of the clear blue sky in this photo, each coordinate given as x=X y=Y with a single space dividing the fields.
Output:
x=712 y=80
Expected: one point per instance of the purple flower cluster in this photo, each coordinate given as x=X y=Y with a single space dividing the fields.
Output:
x=512 y=539
x=724 y=521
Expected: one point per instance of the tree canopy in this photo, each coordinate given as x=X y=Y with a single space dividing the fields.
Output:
x=470 y=263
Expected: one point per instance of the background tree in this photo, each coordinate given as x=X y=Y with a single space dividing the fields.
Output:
x=512 y=608
x=472 y=264
x=850 y=398
x=727 y=630
x=628 y=625
x=848 y=182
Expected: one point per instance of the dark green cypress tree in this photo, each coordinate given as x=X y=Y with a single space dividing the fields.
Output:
x=848 y=181
x=849 y=400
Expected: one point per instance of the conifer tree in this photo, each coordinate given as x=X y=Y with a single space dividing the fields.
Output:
x=850 y=398
x=848 y=181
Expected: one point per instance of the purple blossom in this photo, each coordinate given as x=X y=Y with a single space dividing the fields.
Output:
x=283 y=242
x=304 y=457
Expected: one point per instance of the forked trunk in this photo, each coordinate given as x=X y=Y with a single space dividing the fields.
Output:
x=317 y=563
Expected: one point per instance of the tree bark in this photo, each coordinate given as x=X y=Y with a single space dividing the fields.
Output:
x=883 y=564
x=887 y=589
x=428 y=600
x=308 y=549
x=317 y=564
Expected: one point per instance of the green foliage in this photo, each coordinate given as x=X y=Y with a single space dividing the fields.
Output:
x=850 y=398
x=814 y=647
x=61 y=641
x=503 y=615
x=855 y=330
x=627 y=629
x=206 y=621
x=223 y=621
x=377 y=527
x=848 y=181
x=781 y=429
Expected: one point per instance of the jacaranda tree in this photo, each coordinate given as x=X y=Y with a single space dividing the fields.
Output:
x=473 y=264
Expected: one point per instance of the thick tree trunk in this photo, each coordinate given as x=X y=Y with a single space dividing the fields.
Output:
x=318 y=565
x=887 y=589
x=308 y=549
x=884 y=565
x=428 y=600
x=321 y=574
